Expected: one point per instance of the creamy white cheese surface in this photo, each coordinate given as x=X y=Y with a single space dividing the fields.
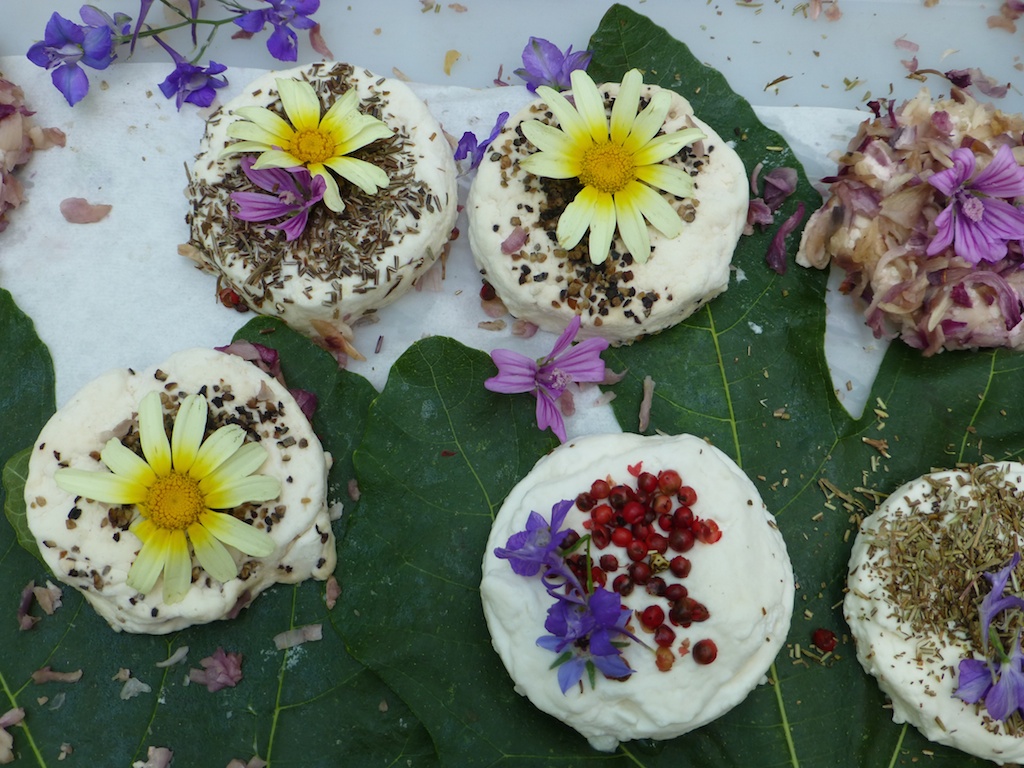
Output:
x=620 y=300
x=88 y=545
x=745 y=579
x=918 y=669
x=345 y=265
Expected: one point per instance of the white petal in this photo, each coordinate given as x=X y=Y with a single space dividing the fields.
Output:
x=625 y=106
x=155 y=446
x=590 y=105
x=242 y=536
x=300 y=103
x=188 y=432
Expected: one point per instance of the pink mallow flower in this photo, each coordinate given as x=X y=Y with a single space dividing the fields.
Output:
x=979 y=221
x=548 y=377
x=292 y=193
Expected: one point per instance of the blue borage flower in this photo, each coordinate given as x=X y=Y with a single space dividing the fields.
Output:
x=67 y=47
x=587 y=624
x=998 y=681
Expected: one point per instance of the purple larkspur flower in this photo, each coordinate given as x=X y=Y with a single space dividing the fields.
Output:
x=292 y=193
x=282 y=15
x=64 y=47
x=529 y=550
x=469 y=146
x=587 y=630
x=190 y=82
x=995 y=601
x=545 y=64
x=119 y=24
x=979 y=221
x=548 y=377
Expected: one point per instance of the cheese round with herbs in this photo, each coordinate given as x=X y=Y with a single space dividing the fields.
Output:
x=88 y=545
x=513 y=215
x=741 y=587
x=915 y=584
x=345 y=265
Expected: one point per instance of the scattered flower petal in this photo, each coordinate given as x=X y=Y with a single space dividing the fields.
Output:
x=219 y=670
x=78 y=210
x=299 y=635
x=47 y=675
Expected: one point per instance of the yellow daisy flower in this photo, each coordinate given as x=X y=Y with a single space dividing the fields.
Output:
x=309 y=140
x=619 y=162
x=176 y=489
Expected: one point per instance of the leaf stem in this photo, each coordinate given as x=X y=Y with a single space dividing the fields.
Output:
x=725 y=387
x=25 y=730
x=899 y=744
x=777 y=685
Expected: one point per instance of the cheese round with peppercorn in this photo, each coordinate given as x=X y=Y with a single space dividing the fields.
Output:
x=921 y=572
x=683 y=610
x=93 y=545
x=376 y=192
x=514 y=233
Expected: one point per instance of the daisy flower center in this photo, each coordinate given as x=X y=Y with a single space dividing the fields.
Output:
x=313 y=146
x=607 y=167
x=175 y=502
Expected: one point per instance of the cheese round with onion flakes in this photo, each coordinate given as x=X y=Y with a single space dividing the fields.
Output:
x=88 y=545
x=745 y=580
x=345 y=265
x=512 y=221
x=904 y=635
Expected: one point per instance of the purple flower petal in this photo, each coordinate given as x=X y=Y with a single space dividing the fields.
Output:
x=283 y=44
x=548 y=416
x=1002 y=177
x=583 y=361
x=71 y=80
x=951 y=179
x=516 y=373
x=975 y=680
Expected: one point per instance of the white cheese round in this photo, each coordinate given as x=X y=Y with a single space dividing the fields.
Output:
x=88 y=545
x=620 y=300
x=915 y=666
x=745 y=579
x=345 y=265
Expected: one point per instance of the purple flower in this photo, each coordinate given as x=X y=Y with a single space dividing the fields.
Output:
x=978 y=222
x=191 y=83
x=545 y=64
x=527 y=551
x=586 y=631
x=995 y=601
x=469 y=147
x=64 y=47
x=1002 y=689
x=282 y=15
x=119 y=24
x=292 y=193
x=548 y=377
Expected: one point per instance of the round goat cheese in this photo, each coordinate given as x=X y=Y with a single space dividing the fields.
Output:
x=914 y=618
x=513 y=215
x=744 y=580
x=88 y=544
x=345 y=265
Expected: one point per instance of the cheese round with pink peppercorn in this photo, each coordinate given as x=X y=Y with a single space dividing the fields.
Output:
x=88 y=544
x=739 y=590
x=513 y=216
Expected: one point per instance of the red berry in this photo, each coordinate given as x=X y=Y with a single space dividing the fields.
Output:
x=679 y=613
x=682 y=517
x=621 y=537
x=680 y=566
x=585 y=502
x=639 y=573
x=665 y=522
x=680 y=540
x=600 y=535
x=658 y=543
x=641 y=531
x=669 y=481
x=609 y=562
x=824 y=639
x=699 y=612
x=661 y=504
x=647 y=482
x=601 y=514
x=633 y=512
x=570 y=540
x=705 y=651
x=487 y=291
x=622 y=584
x=709 y=532
x=674 y=592
x=636 y=550
x=599 y=489
x=652 y=616
x=599 y=577
x=687 y=496
x=656 y=586
x=619 y=496
x=664 y=636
